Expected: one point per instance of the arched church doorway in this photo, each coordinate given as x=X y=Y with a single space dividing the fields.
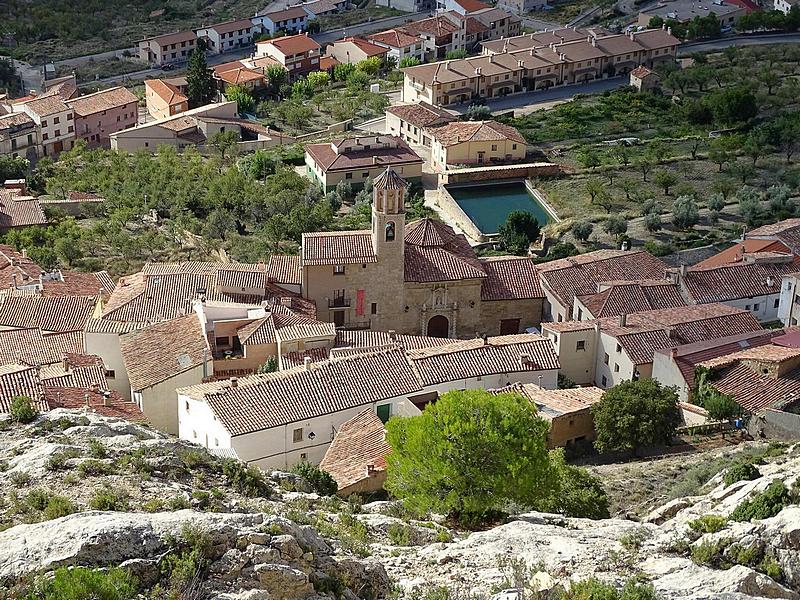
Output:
x=439 y=327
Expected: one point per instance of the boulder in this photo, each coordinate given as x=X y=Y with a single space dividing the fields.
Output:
x=283 y=581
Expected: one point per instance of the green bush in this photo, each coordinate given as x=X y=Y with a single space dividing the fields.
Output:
x=37 y=499
x=708 y=523
x=592 y=589
x=97 y=449
x=247 y=479
x=58 y=461
x=400 y=534
x=23 y=410
x=81 y=583
x=58 y=506
x=94 y=467
x=108 y=498
x=709 y=553
x=741 y=472
x=320 y=481
x=178 y=503
x=764 y=505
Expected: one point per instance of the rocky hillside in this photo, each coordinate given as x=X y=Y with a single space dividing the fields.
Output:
x=95 y=492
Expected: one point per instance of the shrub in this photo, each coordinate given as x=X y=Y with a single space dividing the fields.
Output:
x=59 y=506
x=178 y=503
x=20 y=478
x=247 y=480
x=23 y=410
x=633 y=540
x=321 y=481
x=154 y=505
x=81 y=583
x=741 y=472
x=37 y=499
x=94 y=467
x=97 y=449
x=708 y=523
x=709 y=553
x=58 y=461
x=108 y=498
x=764 y=505
x=400 y=534
x=196 y=459
x=592 y=589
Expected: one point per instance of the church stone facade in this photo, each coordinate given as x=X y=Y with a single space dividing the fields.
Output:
x=416 y=278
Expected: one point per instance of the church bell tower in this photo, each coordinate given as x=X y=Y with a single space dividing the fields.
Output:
x=389 y=218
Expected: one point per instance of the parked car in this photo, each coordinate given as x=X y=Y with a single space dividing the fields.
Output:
x=167 y=67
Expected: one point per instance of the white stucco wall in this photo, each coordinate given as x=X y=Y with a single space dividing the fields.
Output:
x=106 y=346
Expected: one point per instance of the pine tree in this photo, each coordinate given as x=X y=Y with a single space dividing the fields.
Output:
x=199 y=79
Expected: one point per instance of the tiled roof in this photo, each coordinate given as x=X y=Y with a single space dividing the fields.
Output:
x=631 y=296
x=556 y=403
x=116 y=97
x=20 y=380
x=641 y=72
x=480 y=357
x=13 y=263
x=19 y=211
x=75 y=283
x=284 y=268
x=49 y=313
x=282 y=15
x=108 y=326
x=337 y=248
x=433 y=252
x=366 y=47
x=754 y=390
x=389 y=180
x=579 y=275
x=472 y=5
x=736 y=281
x=301 y=394
x=230 y=26
x=774 y=228
x=437 y=26
x=394 y=38
x=459 y=132
x=75 y=370
x=284 y=324
x=31 y=347
x=291 y=360
x=240 y=75
x=173 y=38
x=103 y=402
x=166 y=91
x=400 y=153
x=358 y=449
x=294 y=44
x=158 y=352
x=421 y=114
x=366 y=338
x=741 y=248
x=510 y=278
x=47 y=104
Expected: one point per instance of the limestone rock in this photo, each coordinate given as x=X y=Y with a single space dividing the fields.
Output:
x=283 y=581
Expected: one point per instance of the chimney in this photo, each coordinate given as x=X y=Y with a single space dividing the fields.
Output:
x=307 y=363
x=769 y=281
x=624 y=245
x=485 y=339
x=532 y=52
x=520 y=63
x=623 y=320
x=374 y=160
x=524 y=359
x=539 y=379
x=630 y=35
x=491 y=58
x=370 y=470
x=393 y=335
x=65 y=363
x=86 y=398
x=669 y=31
x=447 y=65
x=234 y=382
x=594 y=42
x=24 y=253
x=14 y=281
x=683 y=270
x=663 y=27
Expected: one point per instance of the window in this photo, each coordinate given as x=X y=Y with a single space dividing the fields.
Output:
x=297 y=435
x=747 y=307
x=581 y=345
x=390 y=231
x=494 y=147
x=756 y=306
x=338 y=269
x=604 y=381
x=44 y=122
x=56 y=120
x=70 y=129
x=509 y=326
x=580 y=314
x=384 y=412
x=373 y=309
x=303 y=456
x=605 y=358
x=44 y=135
x=365 y=174
x=616 y=368
x=110 y=373
x=776 y=303
x=513 y=146
x=57 y=132
x=348 y=175
x=619 y=348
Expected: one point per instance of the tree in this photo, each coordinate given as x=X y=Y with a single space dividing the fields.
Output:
x=581 y=230
x=199 y=79
x=22 y=409
x=665 y=179
x=722 y=407
x=270 y=366
x=343 y=70
x=409 y=61
x=277 y=76
x=469 y=454
x=749 y=205
x=320 y=481
x=635 y=414
x=755 y=146
x=455 y=54
x=577 y=493
x=716 y=202
x=223 y=141
x=357 y=80
x=12 y=168
x=318 y=79
x=479 y=112
x=685 y=213
x=616 y=226
x=589 y=158
x=645 y=164
x=723 y=186
x=770 y=79
x=245 y=103
x=652 y=222
x=518 y=232
x=732 y=105
x=593 y=188
x=371 y=66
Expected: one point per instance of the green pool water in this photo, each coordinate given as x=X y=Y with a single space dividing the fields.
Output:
x=488 y=206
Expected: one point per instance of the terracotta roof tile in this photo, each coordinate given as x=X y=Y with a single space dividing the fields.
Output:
x=366 y=47
x=230 y=26
x=394 y=38
x=166 y=91
x=337 y=248
x=31 y=347
x=283 y=268
x=421 y=114
x=397 y=154
x=510 y=278
x=49 y=313
x=556 y=403
x=20 y=380
x=116 y=97
x=19 y=211
x=293 y=44
x=631 y=296
x=754 y=390
x=433 y=252
x=173 y=38
x=369 y=339
x=459 y=132
x=103 y=402
x=736 y=281
x=358 y=450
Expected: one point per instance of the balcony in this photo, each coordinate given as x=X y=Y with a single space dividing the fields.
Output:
x=339 y=302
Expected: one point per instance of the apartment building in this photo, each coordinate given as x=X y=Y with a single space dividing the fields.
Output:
x=351 y=50
x=399 y=44
x=409 y=121
x=290 y=20
x=19 y=136
x=99 y=115
x=55 y=120
x=475 y=143
x=224 y=37
x=299 y=54
x=168 y=48
x=785 y=5
x=527 y=63
x=164 y=99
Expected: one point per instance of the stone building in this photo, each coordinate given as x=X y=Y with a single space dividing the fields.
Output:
x=416 y=278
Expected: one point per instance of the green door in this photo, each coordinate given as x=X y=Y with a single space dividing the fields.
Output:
x=384 y=412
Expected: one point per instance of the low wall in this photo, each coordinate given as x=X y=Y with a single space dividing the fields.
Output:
x=493 y=173
x=540 y=197
x=448 y=204
x=775 y=424
x=334 y=127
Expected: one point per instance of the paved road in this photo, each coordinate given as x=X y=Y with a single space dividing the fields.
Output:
x=739 y=40
x=539 y=24
x=31 y=76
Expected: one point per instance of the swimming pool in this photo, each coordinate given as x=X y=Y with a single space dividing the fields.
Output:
x=488 y=206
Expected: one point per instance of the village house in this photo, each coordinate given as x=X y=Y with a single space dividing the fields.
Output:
x=293 y=415
x=529 y=62
x=19 y=136
x=102 y=113
x=475 y=143
x=168 y=48
x=563 y=280
x=521 y=7
x=323 y=8
x=163 y=99
x=228 y=36
x=499 y=23
x=741 y=249
x=676 y=366
x=55 y=120
x=607 y=351
x=787 y=232
x=352 y=50
x=399 y=44
x=644 y=79
x=462 y=7
x=238 y=74
x=440 y=34
x=290 y=20
x=789 y=304
x=753 y=284
x=568 y=411
x=616 y=297
x=409 y=121
x=354 y=160
x=419 y=279
x=299 y=54
x=17 y=209
x=684 y=11
x=356 y=457
x=409 y=6
x=785 y=6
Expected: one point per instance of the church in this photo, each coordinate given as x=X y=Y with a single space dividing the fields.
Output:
x=418 y=278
